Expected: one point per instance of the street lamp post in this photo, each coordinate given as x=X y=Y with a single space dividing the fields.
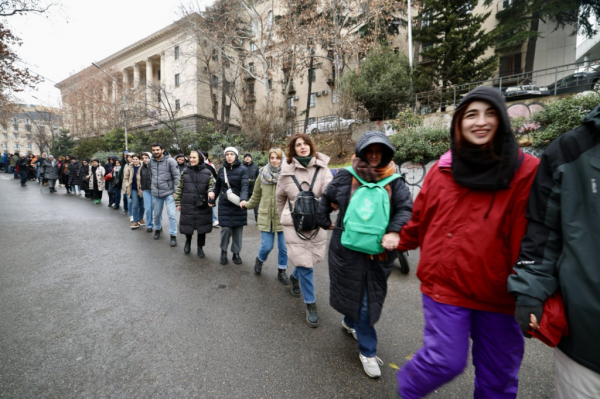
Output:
x=124 y=104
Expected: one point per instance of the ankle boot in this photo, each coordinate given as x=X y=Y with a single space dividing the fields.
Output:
x=257 y=266
x=223 y=257
x=187 y=248
x=236 y=259
x=282 y=277
x=200 y=252
x=312 y=317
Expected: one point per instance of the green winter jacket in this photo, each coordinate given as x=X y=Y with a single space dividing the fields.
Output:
x=561 y=250
x=264 y=197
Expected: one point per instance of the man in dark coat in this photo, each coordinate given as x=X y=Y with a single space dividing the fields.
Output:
x=23 y=165
x=75 y=176
x=358 y=281
x=560 y=254
x=232 y=218
x=253 y=171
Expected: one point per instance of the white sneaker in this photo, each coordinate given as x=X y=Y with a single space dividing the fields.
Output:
x=350 y=330
x=371 y=365
x=216 y=223
x=131 y=218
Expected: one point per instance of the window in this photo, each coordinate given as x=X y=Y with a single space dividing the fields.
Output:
x=251 y=89
x=176 y=80
x=252 y=46
x=226 y=63
x=270 y=62
x=28 y=121
x=215 y=55
x=5 y=146
x=227 y=110
x=15 y=121
x=330 y=54
x=216 y=105
x=17 y=146
x=510 y=65
x=254 y=28
x=313 y=99
x=312 y=74
x=28 y=128
x=270 y=20
x=16 y=127
x=251 y=67
x=335 y=96
x=15 y=137
x=290 y=102
x=29 y=147
x=5 y=136
x=176 y=52
x=41 y=123
x=215 y=81
x=177 y=105
x=270 y=83
x=29 y=137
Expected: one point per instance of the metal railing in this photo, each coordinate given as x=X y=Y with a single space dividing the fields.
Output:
x=551 y=81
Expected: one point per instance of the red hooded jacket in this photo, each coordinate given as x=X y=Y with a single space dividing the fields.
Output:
x=466 y=258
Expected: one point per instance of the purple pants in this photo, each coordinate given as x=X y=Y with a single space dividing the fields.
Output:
x=498 y=347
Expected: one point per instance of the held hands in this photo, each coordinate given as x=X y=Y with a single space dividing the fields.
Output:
x=211 y=196
x=528 y=318
x=332 y=227
x=243 y=204
x=179 y=208
x=390 y=241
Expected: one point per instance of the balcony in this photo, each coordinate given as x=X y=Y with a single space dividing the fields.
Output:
x=248 y=76
x=291 y=111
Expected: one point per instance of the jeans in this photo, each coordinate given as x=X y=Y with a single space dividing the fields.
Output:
x=214 y=214
x=497 y=350
x=10 y=169
x=157 y=205
x=117 y=195
x=305 y=275
x=75 y=188
x=136 y=207
x=266 y=246
x=125 y=202
x=147 y=196
x=365 y=332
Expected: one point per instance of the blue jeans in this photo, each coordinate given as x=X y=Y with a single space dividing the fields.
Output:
x=137 y=210
x=125 y=203
x=266 y=246
x=157 y=205
x=117 y=197
x=214 y=214
x=305 y=275
x=147 y=204
x=366 y=334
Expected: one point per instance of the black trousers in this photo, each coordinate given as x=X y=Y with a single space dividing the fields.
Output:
x=201 y=239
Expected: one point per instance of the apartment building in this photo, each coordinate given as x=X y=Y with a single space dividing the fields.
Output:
x=29 y=128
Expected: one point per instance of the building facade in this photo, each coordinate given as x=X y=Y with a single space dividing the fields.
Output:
x=30 y=129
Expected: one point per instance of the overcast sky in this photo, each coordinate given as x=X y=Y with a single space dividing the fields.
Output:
x=69 y=38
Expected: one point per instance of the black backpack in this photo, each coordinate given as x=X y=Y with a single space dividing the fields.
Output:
x=305 y=209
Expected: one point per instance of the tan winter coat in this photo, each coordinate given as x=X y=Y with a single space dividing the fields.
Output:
x=301 y=252
x=128 y=179
x=99 y=177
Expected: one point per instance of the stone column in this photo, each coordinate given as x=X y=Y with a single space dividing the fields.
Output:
x=149 y=91
x=114 y=91
x=125 y=79
x=136 y=75
x=162 y=69
x=104 y=93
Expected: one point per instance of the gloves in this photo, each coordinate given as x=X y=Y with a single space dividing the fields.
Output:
x=522 y=316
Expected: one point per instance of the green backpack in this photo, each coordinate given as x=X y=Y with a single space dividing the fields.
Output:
x=367 y=216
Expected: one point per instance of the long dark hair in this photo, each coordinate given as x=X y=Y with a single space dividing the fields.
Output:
x=291 y=150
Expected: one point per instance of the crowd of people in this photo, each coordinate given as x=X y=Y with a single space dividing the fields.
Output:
x=508 y=243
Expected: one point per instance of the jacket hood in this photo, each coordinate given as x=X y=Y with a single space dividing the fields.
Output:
x=593 y=119
x=375 y=137
x=321 y=160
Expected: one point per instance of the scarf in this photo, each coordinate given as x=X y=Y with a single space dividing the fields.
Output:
x=371 y=174
x=303 y=160
x=269 y=174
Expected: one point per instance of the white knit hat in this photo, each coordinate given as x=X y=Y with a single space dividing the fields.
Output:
x=231 y=149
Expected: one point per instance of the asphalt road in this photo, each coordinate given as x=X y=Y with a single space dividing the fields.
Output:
x=92 y=309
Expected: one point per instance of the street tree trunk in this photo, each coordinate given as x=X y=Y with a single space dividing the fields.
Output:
x=531 y=43
x=310 y=73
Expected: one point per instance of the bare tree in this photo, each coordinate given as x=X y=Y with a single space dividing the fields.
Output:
x=45 y=121
x=9 y=8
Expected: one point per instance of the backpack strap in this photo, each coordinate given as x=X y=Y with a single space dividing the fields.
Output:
x=380 y=183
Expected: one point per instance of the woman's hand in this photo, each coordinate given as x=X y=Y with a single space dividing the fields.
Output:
x=334 y=206
x=390 y=241
x=534 y=323
x=332 y=226
x=243 y=204
x=211 y=195
x=179 y=208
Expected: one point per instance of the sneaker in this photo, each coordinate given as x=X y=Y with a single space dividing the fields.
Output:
x=371 y=365
x=141 y=223
x=295 y=286
x=157 y=234
x=282 y=277
x=216 y=224
x=115 y=208
x=148 y=229
x=257 y=266
x=173 y=242
x=349 y=330
x=134 y=226
x=125 y=210
x=312 y=317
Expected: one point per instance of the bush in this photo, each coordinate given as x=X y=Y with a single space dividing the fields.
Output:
x=560 y=117
x=420 y=144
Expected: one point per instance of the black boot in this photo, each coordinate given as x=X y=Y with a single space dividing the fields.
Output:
x=200 y=252
x=173 y=241
x=236 y=259
x=223 y=257
x=282 y=276
x=312 y=318
x=295 y=287
x=257 y=266
x=157 y=234
x=187 y=248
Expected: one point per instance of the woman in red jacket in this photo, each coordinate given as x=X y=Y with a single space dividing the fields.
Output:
x=469 y=219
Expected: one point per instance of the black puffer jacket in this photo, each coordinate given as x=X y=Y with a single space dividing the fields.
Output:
x=194 y=180
x=146 y=177
x=231 y=215
x=349 y=270
x=85 y=183
x=253 y=171
x=75 y=173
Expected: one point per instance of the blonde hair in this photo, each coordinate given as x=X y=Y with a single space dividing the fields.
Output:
x=277 y=152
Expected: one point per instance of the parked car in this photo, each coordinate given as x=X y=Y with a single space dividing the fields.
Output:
x=526 y=91
x=331 y=123
x=588 y=79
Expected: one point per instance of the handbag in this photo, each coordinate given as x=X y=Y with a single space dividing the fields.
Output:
x=231 y=196
x=108 y=177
